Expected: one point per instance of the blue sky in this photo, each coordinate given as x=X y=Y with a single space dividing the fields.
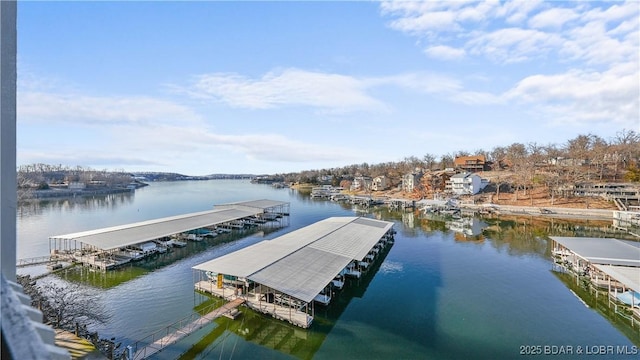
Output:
x=272 y=87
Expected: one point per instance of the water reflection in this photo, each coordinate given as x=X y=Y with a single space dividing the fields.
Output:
x=84 y=203
x=598 y=300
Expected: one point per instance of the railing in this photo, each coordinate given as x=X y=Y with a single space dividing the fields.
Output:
x=170 y=334
x=34 y=261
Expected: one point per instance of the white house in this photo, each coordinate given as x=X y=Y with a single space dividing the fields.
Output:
x=466 y=184
x=361 y=183
x=411 y=181
x=379 y=183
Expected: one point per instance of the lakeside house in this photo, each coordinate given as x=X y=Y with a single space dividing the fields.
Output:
x=473 y=163
x=411 y=181
x=466 y=184
x=361 y=183
x=379 y=183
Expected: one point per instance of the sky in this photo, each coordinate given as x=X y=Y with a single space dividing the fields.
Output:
x=266 y=87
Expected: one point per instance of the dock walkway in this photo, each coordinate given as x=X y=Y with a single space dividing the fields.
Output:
x=172 y=338
x=281 y=312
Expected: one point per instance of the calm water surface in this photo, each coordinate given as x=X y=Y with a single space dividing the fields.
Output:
x=436 y=294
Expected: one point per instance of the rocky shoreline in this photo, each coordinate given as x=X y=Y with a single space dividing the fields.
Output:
x=599 y=214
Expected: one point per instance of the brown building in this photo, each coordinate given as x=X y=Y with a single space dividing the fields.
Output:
x=471 y=163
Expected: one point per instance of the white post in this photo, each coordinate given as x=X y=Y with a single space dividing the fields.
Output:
x=8 y=196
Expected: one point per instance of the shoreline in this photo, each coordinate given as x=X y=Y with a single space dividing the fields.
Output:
x=587 y=212
x=70 y=194
x=544 y=211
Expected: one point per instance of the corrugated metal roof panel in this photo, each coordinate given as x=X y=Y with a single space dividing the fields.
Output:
x=302 y=274
x=629 y=276
x=129 y=234
x=247 y=261
x=606 y=251
x=301 y=263
x=353 y=241
x=262 y=204
x=258 y=256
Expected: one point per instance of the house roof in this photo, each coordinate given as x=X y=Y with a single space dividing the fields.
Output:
x=462 y=175
x=462 y=160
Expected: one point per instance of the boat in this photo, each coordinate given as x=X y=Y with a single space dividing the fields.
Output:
x=194 y=237
x=352 y=271
x=338 y=282
x=222 y=230
x=269 y=216
x=325 y=192
x=135 y=255
x=178 y=243
x=630 y=298
x=324 y=297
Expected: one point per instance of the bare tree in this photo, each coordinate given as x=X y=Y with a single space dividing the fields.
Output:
x=497 y=155
x=600 y=149
x=627 y=146
x=64 y=305
x=446 y=161
x=517 y=154
x=579 y=151
x=429 y=160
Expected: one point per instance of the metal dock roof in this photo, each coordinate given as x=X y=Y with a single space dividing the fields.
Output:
x=124 y=235
x=302 y=262
x=603 y=251
x=629 y=276
x=261 y=204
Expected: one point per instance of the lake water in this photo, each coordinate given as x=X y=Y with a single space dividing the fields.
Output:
x=437 y=294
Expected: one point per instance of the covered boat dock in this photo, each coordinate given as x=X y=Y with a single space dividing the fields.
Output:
x=611 y=264
x=282 y=277
x=110 y=247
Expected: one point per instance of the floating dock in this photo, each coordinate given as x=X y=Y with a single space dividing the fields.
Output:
x=110 y=247
x=609 y=263
x=282 y=277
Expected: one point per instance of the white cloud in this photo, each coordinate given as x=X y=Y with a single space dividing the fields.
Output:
x=553 y=18
x=34 y=106
x=511 y=45
x=426 y=22
x=517 y=12
x=616 y=12
x=329 y=92
x=593 y=44
x=95 y=158
x=289 y=87
x=275 y=147
x=440 y=86
x=589 y=50
x=444 y=52
x=517 y=31
x=582 y=96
